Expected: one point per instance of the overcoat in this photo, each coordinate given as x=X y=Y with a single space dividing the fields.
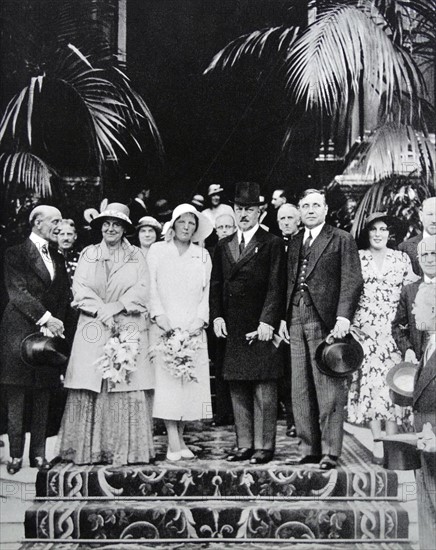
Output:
x=245 y=291
x=424 y=408
x=31 y=293
x=404 y=330
x=336 y=283
x=410 y=247
x=128 y=283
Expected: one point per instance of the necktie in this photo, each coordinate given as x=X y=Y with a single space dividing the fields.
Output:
x=45 y=252
x=307 y=243
x=242 y=244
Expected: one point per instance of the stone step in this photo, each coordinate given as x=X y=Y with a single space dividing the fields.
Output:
x=311 y=519
x=203 y=479
x=223 y=545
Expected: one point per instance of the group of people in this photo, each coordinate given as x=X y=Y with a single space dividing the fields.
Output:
x=257 y=291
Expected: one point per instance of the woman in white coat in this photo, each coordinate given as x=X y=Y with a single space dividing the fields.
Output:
x=179 y=298
x=107 y=422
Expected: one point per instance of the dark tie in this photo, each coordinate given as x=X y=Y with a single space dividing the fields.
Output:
x=242 y=245
x=307 y=243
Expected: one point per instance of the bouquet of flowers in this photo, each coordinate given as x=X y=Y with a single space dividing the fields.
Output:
x=119 y=359
x=178 y=348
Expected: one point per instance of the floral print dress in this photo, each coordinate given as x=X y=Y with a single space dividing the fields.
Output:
x=369 y=394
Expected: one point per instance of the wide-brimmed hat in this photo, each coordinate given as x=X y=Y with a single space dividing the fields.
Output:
x=38 y=350
x=198 y=201
x=247 y=193
x=204 y=228
x=340 y=358
x=149 y=221
x=401 y=381
x=214 y=189
x=114 y=210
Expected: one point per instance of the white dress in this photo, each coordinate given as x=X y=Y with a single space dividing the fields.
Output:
x=179 y=289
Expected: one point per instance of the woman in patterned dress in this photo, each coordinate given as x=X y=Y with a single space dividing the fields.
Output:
x=385 y=272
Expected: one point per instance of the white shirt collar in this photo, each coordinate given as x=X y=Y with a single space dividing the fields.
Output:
x=314 y=231
x=38 y=241
x=141 y=202
x=429 y=280
x=248 y=235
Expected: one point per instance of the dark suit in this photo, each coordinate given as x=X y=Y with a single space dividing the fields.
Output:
x=245 y=291
x=404 y=330
x=410 y=247
x=331 y=288
x=31 y=293
x=424 y=405
x=137 y=211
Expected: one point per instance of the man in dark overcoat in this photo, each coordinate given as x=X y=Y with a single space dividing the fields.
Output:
x=247 y=297
x=324 y=286
x=39 y=297
x=424 y=397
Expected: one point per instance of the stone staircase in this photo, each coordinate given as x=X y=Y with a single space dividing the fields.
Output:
x=208 y=503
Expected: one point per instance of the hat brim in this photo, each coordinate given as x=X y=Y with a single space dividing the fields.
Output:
x=340 y=370
x=97 y=222
x=204 y=228
x=400 y=395
x=245 y=203
x=37 y=350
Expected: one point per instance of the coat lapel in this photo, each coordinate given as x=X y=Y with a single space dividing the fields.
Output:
x=425 y=375
x=250 y=251
x=37 y=263
x=318 y=247
x=232 y=249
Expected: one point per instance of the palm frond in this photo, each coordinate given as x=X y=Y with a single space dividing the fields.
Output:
x=394 y=149
x=27 y=170
x=327 y=62
x=279 y=39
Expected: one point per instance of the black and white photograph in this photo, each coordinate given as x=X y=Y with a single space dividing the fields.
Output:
x=218 y=274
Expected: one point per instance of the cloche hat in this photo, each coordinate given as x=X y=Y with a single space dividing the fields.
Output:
x=204 y=228
x=214 y=189
x=149 y=221
x=114 y=210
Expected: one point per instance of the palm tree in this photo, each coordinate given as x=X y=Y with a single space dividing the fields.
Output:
x=357 y=68
x=77 y=107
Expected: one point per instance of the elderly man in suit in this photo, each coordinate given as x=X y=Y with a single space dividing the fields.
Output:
x=39 y=297
x=427 y=215
x=247 y=298
x=408 y=337
x=324 y=285
x=424 y=396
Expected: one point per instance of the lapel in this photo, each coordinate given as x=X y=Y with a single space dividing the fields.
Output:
x=124 y=254
x=425 y=375
x=250 y=251
x=37 y=263
x=318 y=247
x=232 y=249
x=294 y=251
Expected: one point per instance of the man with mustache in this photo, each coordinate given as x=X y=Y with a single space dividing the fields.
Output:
x=247 y=297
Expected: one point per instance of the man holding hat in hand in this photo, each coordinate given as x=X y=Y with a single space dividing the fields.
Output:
x=246 y=301
x=39 y=297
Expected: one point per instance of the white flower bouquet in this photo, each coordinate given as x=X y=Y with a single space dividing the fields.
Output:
x=120 y=353
x=178 y=348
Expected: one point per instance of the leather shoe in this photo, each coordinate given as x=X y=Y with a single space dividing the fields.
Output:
x=240 y=454
x=308 y=459
x=262 y=456
x=14 y=466
x=41 y=463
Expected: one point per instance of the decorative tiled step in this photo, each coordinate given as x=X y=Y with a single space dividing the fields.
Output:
x=313 y=519
x=223 y=545
x=201 y=480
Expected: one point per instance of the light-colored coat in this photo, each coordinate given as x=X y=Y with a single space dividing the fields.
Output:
x=128 y=283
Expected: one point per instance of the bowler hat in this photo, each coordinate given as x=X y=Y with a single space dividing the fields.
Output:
x=340 y=358
x=39 y=350
x=247 y=193
x=401 y=380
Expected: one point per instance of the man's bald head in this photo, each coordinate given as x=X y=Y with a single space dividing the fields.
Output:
x=44 y=221
x=427 y=215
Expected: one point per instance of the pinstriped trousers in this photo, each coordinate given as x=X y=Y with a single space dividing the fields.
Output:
x=318 y=400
